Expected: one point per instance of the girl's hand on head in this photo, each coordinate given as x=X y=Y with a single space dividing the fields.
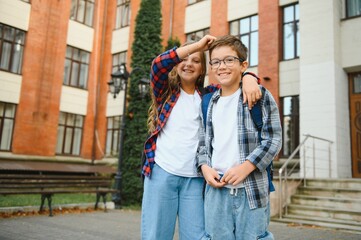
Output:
x=251 y=91
x=205 y=41
x=200 y=46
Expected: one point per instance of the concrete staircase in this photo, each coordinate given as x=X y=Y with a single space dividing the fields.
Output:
x=331 y=203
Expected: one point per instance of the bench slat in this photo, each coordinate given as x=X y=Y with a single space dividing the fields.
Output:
x=50 y=185
x=51 y=176
x=59 y=191
x=54 y=181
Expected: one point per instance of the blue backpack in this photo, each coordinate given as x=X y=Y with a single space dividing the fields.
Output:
x=256 y=113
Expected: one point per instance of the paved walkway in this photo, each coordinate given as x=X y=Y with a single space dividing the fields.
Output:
x=124 y=225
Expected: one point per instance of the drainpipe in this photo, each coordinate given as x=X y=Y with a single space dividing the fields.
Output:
x=171 y=18
x=97 y=95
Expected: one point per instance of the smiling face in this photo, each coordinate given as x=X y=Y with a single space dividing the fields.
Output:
x=229 y=76
x=191 y=68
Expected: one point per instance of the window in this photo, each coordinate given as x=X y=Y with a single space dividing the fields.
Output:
x=118 y=59
x=291 y=125
x=194 y=1
x=353 y=8
x=82 y=11
x=356 y=84
x=195 y=36
x=7 y=119
x=76 y=68
x=247 y=31
x=113 y=133
x=123 y=14
x=70 y=131
x=291 y=34
x=11 y=48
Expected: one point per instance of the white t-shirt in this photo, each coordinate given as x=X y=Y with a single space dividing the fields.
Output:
x=178 y=141
x=225 y=142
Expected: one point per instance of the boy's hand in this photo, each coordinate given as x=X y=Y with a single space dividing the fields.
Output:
x=251 y=91
x=238 y=173
x=212 y=177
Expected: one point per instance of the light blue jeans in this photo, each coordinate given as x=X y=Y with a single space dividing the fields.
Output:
x=167 y=196
x=228 y=216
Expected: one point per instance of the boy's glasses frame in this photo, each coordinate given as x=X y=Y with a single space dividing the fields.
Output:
x=228 y=61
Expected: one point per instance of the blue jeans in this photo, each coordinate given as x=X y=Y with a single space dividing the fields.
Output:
x=166 y=196
x=228 y=216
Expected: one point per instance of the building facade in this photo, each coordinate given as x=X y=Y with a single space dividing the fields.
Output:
x=56 y=58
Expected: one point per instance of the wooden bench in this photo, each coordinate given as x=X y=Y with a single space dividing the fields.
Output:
x=48 y=183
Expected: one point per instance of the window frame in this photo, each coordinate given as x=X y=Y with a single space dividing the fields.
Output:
x=68 y=126
x=347 y=12
x=4 y=117
x=295 y=32
x=123 y=6
x=113 y=134
x=73 y=61
x=196 y=37
x=191 y=2
x=118 y=59
x=294 y=118
x=249 y=44
x=76 y=8
x=17 y=40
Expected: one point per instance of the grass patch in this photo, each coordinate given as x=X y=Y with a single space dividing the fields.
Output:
x=135 y=207
x=35 y=199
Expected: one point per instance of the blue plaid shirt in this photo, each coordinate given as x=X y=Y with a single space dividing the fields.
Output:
x=260 y=154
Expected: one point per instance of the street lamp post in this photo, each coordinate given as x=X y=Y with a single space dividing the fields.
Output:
x=120 y=82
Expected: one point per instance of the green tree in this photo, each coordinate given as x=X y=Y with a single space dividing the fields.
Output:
x=172 y=42
x=146 y=46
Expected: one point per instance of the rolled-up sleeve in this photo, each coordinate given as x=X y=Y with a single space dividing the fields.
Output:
x=271 y=135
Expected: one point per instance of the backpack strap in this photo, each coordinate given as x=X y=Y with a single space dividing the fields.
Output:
x=256 y=114
x=205 y=102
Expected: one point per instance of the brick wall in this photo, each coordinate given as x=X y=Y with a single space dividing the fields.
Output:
x=37 y=115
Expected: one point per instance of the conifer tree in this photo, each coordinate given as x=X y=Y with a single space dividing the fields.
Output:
x=146 y=46
x=172 y=42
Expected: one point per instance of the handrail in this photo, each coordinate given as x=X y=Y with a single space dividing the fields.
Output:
x=283 y=170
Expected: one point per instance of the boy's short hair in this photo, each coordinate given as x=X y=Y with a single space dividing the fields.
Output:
x=234 y=42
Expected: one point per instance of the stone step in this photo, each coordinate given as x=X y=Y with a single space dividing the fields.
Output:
x=352 y=183
x=349 y=226
x=325 y=212
x=330 y=202
x=334 y=192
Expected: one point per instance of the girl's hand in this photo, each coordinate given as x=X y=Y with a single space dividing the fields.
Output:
x=201 y=45
x=205 y=41
x=251 y=91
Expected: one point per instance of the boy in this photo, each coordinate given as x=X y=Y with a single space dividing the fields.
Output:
x=230 y=156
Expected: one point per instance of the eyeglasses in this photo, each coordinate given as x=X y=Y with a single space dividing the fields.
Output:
x=228 y=61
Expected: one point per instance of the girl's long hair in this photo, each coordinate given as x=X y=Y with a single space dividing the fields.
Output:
x=174 y=82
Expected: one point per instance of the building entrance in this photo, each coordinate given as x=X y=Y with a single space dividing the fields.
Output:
x=355 y=123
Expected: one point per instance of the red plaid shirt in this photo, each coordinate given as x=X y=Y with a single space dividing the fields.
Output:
x=161 y=66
